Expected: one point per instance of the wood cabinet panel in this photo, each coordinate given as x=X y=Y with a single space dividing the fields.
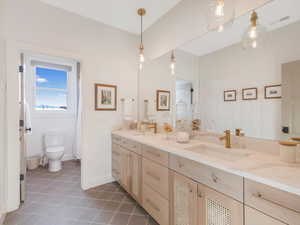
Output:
x=279 y=204
x=156 y=176
x=135 y=174
x=155 y=205
x=183 y=200
x=218 y=209
x=131 y=145
x=254 y=217
x=156 y=155
x=222 y=181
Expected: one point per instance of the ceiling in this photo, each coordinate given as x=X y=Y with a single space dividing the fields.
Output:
x=117 y=13
x=269 y=14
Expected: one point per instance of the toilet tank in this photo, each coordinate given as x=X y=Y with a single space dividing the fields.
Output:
x=53 y=139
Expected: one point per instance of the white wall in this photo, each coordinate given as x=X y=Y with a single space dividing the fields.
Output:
x=156 y=75
x=107 y=55
x=235 y=68
x=185 y=22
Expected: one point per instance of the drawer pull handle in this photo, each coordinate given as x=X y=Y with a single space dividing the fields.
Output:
x=153 y=176
x=152 y=205
x=214 y=178
x=200 y=195
x=154 y=154
x=260 y=196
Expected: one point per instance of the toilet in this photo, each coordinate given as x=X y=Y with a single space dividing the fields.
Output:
x=54 y=149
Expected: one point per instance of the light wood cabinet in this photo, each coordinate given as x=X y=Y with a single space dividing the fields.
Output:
x=125 y=169
x=254 y=217
x=183 y=200
x=156 y=177
x=135 y=171
x=218 y=209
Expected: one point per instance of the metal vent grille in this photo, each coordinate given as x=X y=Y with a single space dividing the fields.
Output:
x=217 y=214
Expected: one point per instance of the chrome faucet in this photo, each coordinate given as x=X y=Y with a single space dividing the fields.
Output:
x=227 y=139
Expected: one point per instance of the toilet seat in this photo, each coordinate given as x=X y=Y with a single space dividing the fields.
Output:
x=55 y=149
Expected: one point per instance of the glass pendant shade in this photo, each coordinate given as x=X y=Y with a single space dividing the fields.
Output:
x=255 y=35
x=221 y=14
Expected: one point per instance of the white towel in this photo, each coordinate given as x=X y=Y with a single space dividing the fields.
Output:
x=28 y=125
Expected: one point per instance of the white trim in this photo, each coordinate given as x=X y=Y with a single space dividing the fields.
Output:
x=96 y=182
x=13 y=51
x=2 y=218
x=68 y=157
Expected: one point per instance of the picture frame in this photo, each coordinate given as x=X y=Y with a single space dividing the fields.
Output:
x=249 y=93
x=163 y=100
x=273 y=91
x=230 y=96
x=105 y=97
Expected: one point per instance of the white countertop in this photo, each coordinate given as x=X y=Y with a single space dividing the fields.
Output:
x=262 y=167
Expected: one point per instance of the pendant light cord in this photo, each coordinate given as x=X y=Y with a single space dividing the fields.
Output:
x=141 y=29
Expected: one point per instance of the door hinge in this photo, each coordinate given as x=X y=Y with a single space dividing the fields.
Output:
x=22 y=177
x=21 y=123
x=21 y=69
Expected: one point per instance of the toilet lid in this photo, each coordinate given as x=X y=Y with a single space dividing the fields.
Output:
x=55 y=149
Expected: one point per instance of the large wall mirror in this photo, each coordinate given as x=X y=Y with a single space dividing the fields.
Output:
x=228 y=82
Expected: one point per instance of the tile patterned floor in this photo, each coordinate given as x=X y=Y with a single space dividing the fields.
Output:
x=57 y=199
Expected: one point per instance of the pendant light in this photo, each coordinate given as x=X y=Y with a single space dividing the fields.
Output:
x=221 y=13
x=173 y=63
x=141 y=12
x=255 y=33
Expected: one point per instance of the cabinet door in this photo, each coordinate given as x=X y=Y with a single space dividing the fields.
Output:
x=125 y=169
x=254 y=217
x=135 y=175
x=183 y=200
x=218 y=209
x=116 y=162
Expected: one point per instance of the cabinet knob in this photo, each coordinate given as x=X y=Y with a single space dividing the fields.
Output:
x=214 y=178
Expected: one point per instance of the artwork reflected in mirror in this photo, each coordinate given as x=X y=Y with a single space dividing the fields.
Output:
x=163 y=100
x=105 y=97
x=249 y=93
x=230 y=96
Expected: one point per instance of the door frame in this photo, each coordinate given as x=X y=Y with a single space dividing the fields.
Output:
x=12 y=170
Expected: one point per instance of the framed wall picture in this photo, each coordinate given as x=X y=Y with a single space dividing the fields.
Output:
x=249 y=94
x=230 y=96
x=163 y=100
x=273 y=91
x=105 y=97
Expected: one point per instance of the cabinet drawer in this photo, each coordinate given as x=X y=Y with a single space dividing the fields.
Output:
x=131 y=145
x=155 y=205
x=224 y=182
x=156 y=176
x=156 y=155
x=116 y=139
x=254 y=217
x=277 y=203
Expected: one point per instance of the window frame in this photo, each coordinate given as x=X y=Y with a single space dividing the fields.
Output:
x=32 y=88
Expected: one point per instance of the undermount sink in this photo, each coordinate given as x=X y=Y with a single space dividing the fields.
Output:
x=220 y=152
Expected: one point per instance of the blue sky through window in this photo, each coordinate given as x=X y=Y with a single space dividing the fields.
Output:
x=47 y=83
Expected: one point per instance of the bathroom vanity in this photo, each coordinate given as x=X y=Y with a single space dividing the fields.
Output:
x=201 y=183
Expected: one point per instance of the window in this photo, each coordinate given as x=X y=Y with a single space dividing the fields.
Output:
x=51 y=89
x=52 y=85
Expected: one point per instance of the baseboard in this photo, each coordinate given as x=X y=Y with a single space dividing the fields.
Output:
x=68 y=157
x=97 y=182
x=2 y=218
